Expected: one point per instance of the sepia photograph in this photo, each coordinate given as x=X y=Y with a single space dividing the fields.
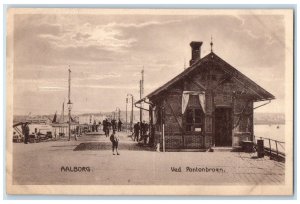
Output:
x=149 y=101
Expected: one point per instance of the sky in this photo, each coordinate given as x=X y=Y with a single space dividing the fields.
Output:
x=106 y=54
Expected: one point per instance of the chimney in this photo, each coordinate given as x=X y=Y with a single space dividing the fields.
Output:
x=196 y=51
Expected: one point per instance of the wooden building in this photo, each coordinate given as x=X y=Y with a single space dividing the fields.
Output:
x=209 y=104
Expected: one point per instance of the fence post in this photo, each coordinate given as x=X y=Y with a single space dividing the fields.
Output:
x=270 y=149
x=276 y=149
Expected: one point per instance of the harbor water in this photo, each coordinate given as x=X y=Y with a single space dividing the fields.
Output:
x=274 y=132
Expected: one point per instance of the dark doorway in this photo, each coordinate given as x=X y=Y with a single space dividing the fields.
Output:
x=223 y=126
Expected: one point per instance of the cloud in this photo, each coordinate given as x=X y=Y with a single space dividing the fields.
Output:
x=141 y=25
x=80 y=36
x=108 y=36
x=93 y=76
x=117 y=87
x=267 y=29
x=107 y=52
x=52 y=88
x=86 y=35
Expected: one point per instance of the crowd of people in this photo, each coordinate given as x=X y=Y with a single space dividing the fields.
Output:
x=95 y=126
x=111 y=124
x=140 y=132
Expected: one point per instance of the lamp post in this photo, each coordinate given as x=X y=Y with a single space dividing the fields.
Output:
x=69 y=108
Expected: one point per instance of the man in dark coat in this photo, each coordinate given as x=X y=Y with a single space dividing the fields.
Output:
x=136 y=128
x=104 y=123
x=119 y=126
x=25 y=129
x=142 y=130
x=145 y=131
x=108 y=125
x=113 y=124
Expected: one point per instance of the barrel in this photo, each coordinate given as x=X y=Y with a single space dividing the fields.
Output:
x=260 y=148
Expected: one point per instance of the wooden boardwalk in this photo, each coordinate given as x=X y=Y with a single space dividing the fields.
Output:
x=41 y=163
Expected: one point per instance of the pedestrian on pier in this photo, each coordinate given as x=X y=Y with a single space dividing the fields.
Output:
x=136 y=128
x=114 y=138
x=104 y=125
x=144 y=131
x=113 y=124
x=25 y=131
x=108 y=125
x=119 y=126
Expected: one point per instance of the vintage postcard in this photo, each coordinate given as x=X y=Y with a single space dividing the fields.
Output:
x=149 y=101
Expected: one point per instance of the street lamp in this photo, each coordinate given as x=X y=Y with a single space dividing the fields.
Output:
x=70 y=108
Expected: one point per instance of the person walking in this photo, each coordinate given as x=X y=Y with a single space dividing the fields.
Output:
x=136 y=128
x=108 y=125
x=114 y=138
x=113 y=124
x=25 y=130
x=104 y=123
x=99 y=126
x=145 y=131
x=119 y=126
x=142 y=130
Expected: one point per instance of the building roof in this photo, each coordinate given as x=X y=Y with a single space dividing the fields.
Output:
x=261 y=94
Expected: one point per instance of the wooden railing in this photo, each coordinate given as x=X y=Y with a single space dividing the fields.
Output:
x=274 y=147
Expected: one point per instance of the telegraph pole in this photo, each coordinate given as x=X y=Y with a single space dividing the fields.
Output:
x=141 y=94
x=126 y=113
x=141 y=98
x=69 y=103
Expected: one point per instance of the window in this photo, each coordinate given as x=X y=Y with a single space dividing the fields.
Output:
x=194 y=120
x=189 y=120
x=198 y=116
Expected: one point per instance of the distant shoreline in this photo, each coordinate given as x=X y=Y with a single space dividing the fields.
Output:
x=270 y=123
x=258 y=119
